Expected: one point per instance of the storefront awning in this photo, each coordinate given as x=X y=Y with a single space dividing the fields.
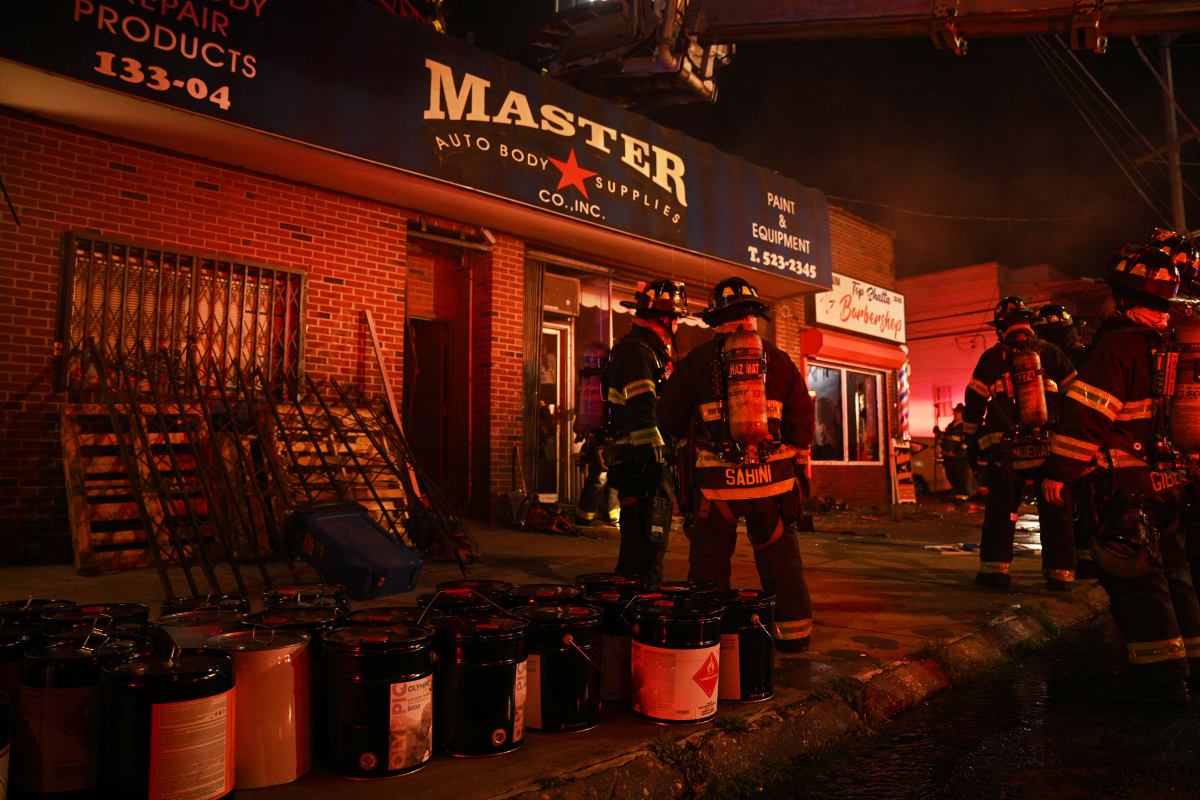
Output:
x=848 y=349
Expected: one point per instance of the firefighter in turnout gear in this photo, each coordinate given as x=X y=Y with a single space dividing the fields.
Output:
x=597 y=500
x=1055 y=324
x=748 y=419
x=953 y=444
x=1011 y=400
x=1115 y=433
x=637 y=466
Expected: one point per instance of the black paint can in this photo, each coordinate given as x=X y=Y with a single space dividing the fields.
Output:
x=206 y=602
x=675 y=665
x=304 y=595
x=377 y=691
x=562 y=674
x=456 y=602
x=491 y=589
x=592 y=582
x=479 y=685
x=6 y=723
x=15 y=639
x=31 y=610
x=747 y=647
x=89 y=616
x=58 y=737
x=394 y=615
x=615 y=639
x=168 y=726
x=682 y=588
x=542 y=594
x=309 y=619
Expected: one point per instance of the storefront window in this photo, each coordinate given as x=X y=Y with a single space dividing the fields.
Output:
x=846 y=408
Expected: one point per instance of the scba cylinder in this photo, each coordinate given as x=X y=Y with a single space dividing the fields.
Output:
x=1185 y=403
x=1029 y=388
x=744 y=360
x=589 y=413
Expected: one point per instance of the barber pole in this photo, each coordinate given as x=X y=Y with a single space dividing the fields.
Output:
x=902 y=403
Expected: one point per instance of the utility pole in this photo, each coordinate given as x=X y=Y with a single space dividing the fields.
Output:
x=1171 y=130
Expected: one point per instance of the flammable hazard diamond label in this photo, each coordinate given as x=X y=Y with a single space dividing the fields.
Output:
x=707 y=676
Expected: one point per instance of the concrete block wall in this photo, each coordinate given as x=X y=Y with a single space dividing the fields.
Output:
x=352 y=251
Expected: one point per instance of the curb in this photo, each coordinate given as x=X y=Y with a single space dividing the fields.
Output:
x=745 y=752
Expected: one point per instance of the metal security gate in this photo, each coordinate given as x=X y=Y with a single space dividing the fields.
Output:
x=124 y=296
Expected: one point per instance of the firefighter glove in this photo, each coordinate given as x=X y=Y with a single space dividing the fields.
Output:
x=1052 y=490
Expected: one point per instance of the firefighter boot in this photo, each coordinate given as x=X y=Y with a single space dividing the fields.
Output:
x=993 y=580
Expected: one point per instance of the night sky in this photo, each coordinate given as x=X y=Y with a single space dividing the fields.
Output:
x=876 y=123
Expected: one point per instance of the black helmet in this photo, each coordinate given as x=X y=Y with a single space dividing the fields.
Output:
x=659 y=298
x=1009 y=311
x=1053 y=316
x=1183 y=251
x=732 y=298
x=1147 y=276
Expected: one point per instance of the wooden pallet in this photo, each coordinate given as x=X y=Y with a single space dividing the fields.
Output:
x=107 y=530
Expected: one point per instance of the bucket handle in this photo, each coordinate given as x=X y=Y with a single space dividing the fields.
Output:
x=97 y=630
x=254 y=632
x=568 y=639
x=480 y=595
x=757 y=620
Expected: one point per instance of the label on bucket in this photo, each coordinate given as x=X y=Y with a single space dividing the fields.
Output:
x=614 y=667
x=4 y=754
x=192 y=748
x=673 y=684
x=59 y=735
x=731 y=667
x=411 y=723
x=519 y=695
x=533 y=691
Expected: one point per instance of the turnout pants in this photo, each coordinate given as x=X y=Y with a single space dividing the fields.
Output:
x=1157 y=613
x=1005 y=488
x=596 y=498
x=771 y=527
x=639 y=556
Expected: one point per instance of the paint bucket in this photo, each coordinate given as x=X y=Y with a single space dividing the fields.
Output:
x=479 y=685
x=377 y=687
x=615 y=639
x=311 y=620
x=304 y=595
x=273 y=719
x=15 y=639
x=456 y=602
x=562 y=674
x=675 y=664
x=93 y=615
x=206 y=602
x=31 y=610
x=6 y=722
x=168 y=726
x=191 y=629
x=59 y=733
x=542 y=594
x=593 y=582
x=491 y=589
x=747 y=647
x=682 y=588
x=394 y=615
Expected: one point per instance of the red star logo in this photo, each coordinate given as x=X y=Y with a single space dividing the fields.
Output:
x=572 y=173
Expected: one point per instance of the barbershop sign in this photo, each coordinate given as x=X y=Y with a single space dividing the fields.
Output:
x=348 y=76
x=861 y=307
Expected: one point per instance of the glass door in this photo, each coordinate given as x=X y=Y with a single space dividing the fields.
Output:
x=556 y=386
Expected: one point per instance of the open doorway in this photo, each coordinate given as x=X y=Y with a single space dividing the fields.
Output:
x=556 y=388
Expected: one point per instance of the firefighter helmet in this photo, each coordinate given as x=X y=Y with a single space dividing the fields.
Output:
x=1183 y=251
x=732 y=298
x=1053 y=315
x=663 y=297
x=1147 y=275
x=1009 y=311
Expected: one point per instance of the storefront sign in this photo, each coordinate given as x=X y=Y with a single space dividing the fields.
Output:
x=858 y=306
x=348 y=76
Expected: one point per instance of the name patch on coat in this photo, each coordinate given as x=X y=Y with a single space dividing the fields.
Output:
x=748 y=476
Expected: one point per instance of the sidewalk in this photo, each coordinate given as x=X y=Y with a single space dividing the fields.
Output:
x=894 y=621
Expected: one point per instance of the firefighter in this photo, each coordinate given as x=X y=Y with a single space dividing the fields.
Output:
x=954 y=454
x=641 y=362
x=1055 y=324
x=748 y=419
x=1115 y=434
x=597 y=500
x=1011 y=399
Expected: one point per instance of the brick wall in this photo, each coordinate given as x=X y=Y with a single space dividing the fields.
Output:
x=352 y=251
